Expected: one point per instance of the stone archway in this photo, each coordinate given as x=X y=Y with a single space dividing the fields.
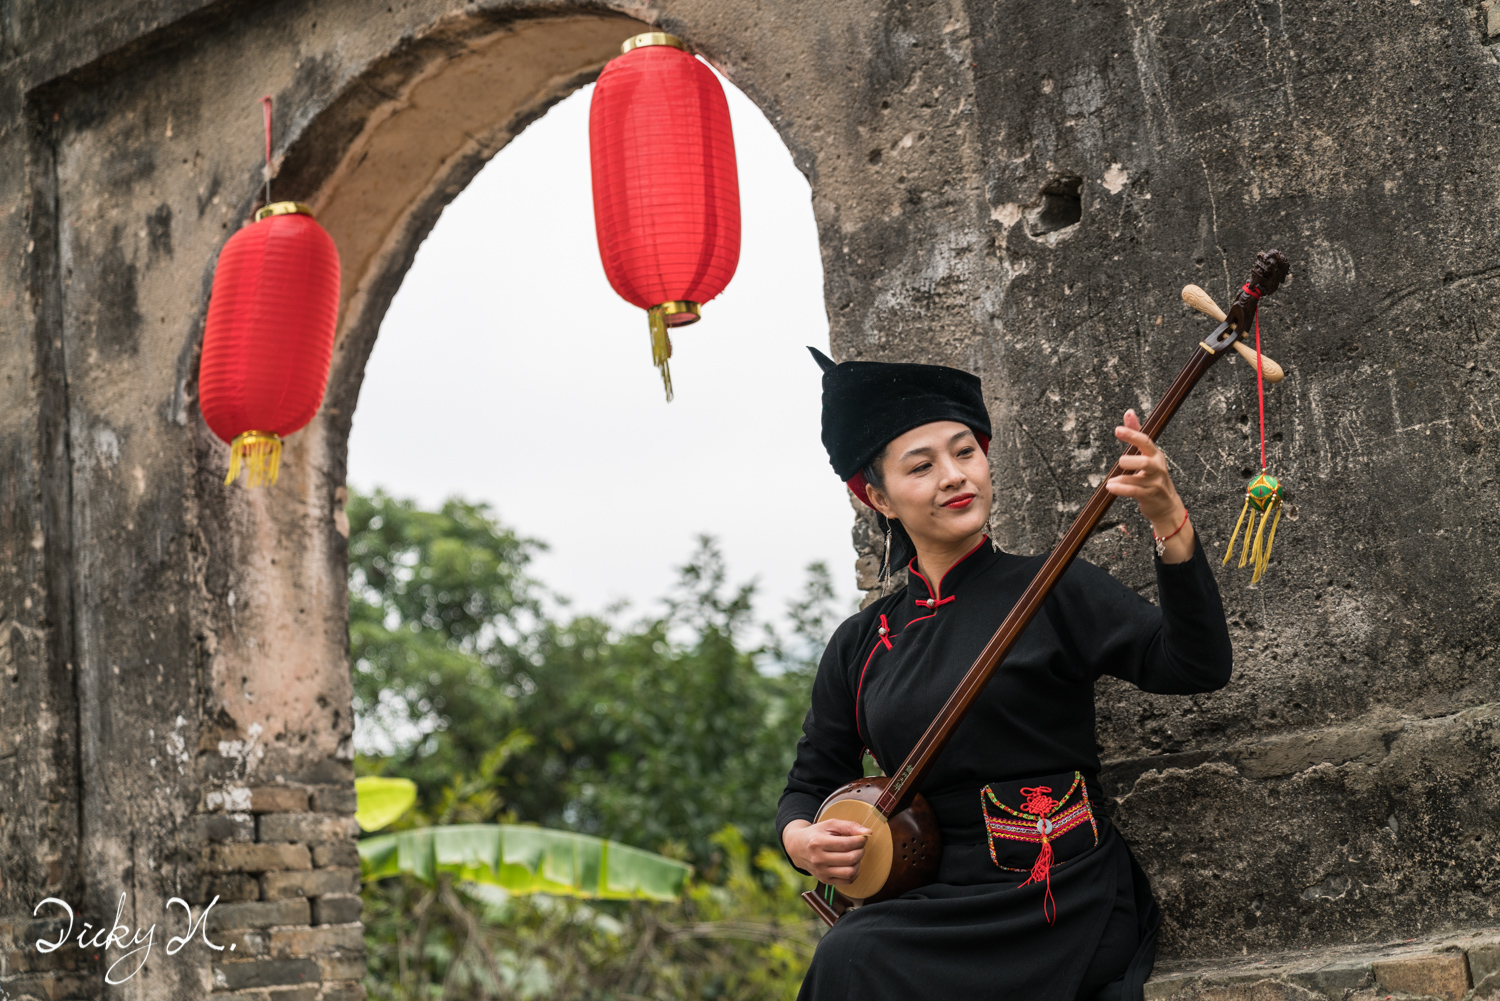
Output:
x=175 y=715
x=224 y=705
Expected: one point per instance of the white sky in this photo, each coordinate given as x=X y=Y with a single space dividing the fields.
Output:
x=508 y=371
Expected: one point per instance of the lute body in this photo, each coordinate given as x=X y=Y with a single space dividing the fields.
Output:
x=902 y=851
x=905 y=845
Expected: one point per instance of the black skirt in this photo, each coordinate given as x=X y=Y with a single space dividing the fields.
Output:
x=993 y=940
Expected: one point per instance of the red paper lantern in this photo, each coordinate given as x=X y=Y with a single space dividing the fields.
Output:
x=666 y=192
x=268 y=339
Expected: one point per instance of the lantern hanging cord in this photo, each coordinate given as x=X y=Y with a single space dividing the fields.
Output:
x=266 y=103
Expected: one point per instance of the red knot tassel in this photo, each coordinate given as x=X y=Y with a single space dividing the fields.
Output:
x=1041 y=872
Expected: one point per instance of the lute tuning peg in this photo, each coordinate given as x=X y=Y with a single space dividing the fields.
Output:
x=1201 y=301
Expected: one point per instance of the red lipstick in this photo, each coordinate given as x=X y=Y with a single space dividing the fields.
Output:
x=960 y=502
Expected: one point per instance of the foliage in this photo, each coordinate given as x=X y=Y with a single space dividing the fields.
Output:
x=522 y=859
x=748 y=937
x=655 y=733
x=439 y=610
x=672 y=732
x=382 y=801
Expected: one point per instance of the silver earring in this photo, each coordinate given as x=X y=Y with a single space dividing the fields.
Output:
x=885 y=570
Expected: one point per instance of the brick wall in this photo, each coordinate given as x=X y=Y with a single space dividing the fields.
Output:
x=286 y=873
x=24 y=972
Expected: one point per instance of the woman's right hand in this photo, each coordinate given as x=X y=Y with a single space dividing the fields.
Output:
x=830 y=850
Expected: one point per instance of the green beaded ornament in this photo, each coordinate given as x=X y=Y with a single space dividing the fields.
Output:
x=1263 y=494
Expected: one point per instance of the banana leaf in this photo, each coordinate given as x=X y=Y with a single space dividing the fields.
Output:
x=521 y=859
x=381 y=801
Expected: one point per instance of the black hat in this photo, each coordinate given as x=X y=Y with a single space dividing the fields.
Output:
x=868 y=404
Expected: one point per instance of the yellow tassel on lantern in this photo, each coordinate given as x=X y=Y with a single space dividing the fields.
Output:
x=260 y=451
x=1264 y=495
x=678 y=313
x=661 y=347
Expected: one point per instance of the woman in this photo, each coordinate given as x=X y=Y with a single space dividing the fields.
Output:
x=999 y=921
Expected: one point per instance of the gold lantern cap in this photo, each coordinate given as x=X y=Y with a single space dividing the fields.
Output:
x=283 y=208
x=652 y=38
x=680 y=313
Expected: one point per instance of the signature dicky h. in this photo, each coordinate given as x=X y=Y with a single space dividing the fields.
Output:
x=119 y=935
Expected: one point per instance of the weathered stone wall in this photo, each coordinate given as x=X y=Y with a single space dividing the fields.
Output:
x=1344 y=786
x=1019 y=188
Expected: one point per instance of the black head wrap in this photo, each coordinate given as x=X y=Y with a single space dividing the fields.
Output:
x=869 y=404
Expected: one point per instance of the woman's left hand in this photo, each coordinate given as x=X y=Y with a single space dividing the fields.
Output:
x=1147 y=480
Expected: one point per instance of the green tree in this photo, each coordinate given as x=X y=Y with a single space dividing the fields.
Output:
x=655 y=733
x=662 y=731
x=673 y=733
x=440 y=610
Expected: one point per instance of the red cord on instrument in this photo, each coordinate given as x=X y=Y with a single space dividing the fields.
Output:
x=1260 y=380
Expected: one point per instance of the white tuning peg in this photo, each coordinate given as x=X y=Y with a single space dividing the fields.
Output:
x=1199 y=300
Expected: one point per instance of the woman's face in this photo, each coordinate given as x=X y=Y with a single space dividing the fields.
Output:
x=937 y=482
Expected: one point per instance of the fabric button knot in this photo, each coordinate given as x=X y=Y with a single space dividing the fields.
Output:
x=929 y=603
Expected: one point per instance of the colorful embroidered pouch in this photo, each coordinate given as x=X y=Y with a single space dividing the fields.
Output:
x=1036 y=824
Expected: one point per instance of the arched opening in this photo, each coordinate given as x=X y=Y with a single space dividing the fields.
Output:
x=412 y=156
x=507 y=370
x=411 y=134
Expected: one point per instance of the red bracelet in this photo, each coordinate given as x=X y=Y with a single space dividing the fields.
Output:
x=1161 y=540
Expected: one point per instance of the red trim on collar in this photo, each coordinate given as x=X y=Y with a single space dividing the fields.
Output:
x=912 y=566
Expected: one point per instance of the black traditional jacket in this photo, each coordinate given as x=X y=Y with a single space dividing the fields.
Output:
x=882 y=680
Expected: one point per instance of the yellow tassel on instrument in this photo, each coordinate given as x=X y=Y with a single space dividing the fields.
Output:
x=1269 y=540
x=260 y=451
x=1229 y=553
x=1261 y=556
x=1263 y=494
x=661 y=347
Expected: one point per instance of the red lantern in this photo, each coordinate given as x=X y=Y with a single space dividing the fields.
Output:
x=268 y=339
x=666 y=192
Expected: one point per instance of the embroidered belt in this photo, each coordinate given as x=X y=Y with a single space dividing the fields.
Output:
x=1039 y=820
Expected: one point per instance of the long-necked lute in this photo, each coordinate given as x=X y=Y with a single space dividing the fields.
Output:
x=905 y=845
